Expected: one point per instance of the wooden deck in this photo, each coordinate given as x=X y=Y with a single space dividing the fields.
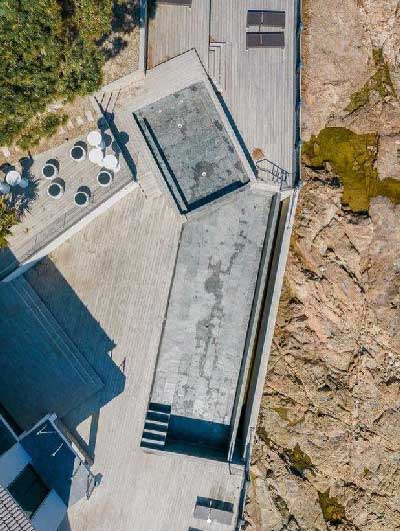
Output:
x=44 y=218
x=176 y=29
x=257 y=85
x=120 y=268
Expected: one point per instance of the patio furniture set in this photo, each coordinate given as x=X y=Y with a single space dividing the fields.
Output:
x=79 y=152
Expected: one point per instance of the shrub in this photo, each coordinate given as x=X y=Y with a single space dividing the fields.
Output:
x=8 y=218
x=48 y=52
x=43 y=127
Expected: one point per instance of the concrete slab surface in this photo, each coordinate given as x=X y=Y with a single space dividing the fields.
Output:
x=208 y=314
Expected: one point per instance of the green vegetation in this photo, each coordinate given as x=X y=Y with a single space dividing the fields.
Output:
x=49 y=52
x=352 y=158
x=42 y=127
x=299 y=460
x=283 y=412
x=8 y=218
x=332 y=511
x=380 y=82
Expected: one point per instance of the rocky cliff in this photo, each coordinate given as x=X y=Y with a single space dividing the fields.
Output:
x=327 y=449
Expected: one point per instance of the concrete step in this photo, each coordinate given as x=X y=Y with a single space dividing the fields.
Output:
x=155 y=436
x=161 y=408
x=151 y=445
x=158 y=417
x=156 y=425
x=216 y=69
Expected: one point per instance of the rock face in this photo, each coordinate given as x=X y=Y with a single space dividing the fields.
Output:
x=327 y=449
x=331 y=411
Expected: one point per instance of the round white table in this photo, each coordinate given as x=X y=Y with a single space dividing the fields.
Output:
x=94 y=138
x=110 y=162
x=96 y=156
x=23 y=183
x=13 y=178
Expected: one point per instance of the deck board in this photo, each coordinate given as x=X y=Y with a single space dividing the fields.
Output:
x=258 y=84
x=44 y=218
x=176 y=29
x=123 y=280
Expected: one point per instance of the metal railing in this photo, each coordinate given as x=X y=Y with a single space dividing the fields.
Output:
x=269 y=171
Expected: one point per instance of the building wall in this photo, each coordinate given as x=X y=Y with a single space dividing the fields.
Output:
x=50 y=514
x=12 y=463
x=268 y=318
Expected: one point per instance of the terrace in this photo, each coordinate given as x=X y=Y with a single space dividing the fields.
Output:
x=257 y=85
x=171 y=294
x=47 y=218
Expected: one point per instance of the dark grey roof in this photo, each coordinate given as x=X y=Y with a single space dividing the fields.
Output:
x=192 y=146
x=12 y=518
x=56 y=463
x=7 y=439
x=37 y=355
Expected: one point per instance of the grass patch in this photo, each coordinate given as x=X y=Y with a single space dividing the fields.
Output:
x=380 y=82
x=44 y=126
x=332 y=511
x=352 y=158
x=299 y=460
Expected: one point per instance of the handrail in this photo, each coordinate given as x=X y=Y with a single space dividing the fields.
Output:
x=275 y=173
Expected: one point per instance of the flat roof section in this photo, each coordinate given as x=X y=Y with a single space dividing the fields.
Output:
x=47 y=370
x=57 y=464
x=192 y=147
x=257 y=85
x=211 y=299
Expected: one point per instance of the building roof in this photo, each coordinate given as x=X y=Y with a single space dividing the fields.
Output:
x=7 y=438
x=37 y=355
x=192 y=147
x=209 y=309
x=56 y=462
x=256 y=85
x=12 y=518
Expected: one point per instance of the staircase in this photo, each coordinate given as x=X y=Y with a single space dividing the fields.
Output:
x=156 y=426
x=216 y=64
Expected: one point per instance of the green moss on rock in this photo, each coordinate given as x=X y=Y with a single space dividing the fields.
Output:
x=283 y=413
x=380 y=82
x=332 y=511
x=352 y=158
x=299 y=460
